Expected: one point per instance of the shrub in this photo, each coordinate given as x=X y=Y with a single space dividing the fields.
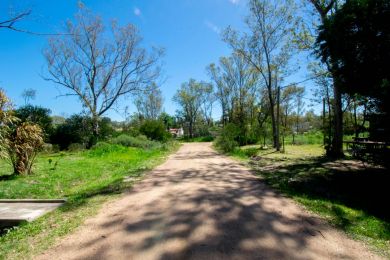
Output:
x=103 y=148
x=78 y=129
x=140 y=141
x=23 y=145
x=36 y=115
x=226 y=141
x=75 y=147
x=19 y=143
x=154 y=130
x=208 y=138
x=250 y=152
x=7 y=119
x=50 y=148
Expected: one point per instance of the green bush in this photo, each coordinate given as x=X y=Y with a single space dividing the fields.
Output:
x=207 y=139
x=154 y=130
x=50 y=148
x=140 y=141
x=36 y=115
x=75 y=147
x=226 y=141
x=103 y=148
x=78 y=129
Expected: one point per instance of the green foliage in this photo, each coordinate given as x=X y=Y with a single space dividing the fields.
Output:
x=355 y=41
x=168 y=120
x=36 y=115
x=155 y=130
x=23 y=145
x=87 y=180
x=75 y=147
x=324 y=186
x=50 y=148
x=7 y=119
x=19 y=142
x=207 y=138
x=103 y=148
x=312 y=137
x=226 y=141
x=79 y=129
x=190 y=97
x=140 y=141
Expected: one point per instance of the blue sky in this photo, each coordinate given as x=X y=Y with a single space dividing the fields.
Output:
x=189 y=30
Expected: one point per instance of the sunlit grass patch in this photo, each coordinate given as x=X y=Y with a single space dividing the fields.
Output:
x=350 y=194
x=86 y=179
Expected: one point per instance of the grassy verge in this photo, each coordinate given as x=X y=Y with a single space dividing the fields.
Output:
x=349 y=194
x=87 y=179
x=197 y=139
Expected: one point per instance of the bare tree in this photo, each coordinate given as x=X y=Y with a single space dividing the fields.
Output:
x=100 y=67
x=28 y=94
x=149 y=102
x=12 y=21
x=267 y=48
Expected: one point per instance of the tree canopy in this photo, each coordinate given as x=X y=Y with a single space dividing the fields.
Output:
x=357 y=39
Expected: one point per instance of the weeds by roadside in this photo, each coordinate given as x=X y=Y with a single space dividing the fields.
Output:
x=350 y=194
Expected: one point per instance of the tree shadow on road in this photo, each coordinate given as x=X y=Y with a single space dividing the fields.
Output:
x=228 y=214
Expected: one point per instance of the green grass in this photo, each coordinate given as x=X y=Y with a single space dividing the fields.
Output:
x=352 y=196
x=86 y=179
x=197 y=139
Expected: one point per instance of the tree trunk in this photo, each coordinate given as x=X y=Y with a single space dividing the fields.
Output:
x=95 y=131
x=95 y=125
x=191 y=129
x=275 y=136
x=278 y=120
x=355 y=119
x=337 y=142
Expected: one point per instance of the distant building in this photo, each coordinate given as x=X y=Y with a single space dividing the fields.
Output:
x=177 y=132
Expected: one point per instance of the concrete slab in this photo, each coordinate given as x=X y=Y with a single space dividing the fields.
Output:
x=15 y=211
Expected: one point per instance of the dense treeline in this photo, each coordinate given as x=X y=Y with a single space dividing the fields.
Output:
x=347 y=45
x=250 y=87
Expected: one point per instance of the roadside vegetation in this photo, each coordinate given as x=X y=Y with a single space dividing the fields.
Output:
x=265 y=119
x=86 y=178
x=348 y=193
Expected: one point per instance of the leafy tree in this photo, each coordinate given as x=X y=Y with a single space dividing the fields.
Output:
x=190 y=98
x=291 y=98
x=208 y=99
x=227 y=140
x=155 y=130
x=36 y=115
x=168 y=120
x=356 y=38
x=100 y=67
x=223 y=87
x=78 y=129
x=267 y=47
x=324 y=8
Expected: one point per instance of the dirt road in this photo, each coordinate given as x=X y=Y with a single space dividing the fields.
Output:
x=201 y=205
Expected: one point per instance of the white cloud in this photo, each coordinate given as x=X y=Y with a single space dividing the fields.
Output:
x=137 y=11
x=235 y=2
x=212 y=26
